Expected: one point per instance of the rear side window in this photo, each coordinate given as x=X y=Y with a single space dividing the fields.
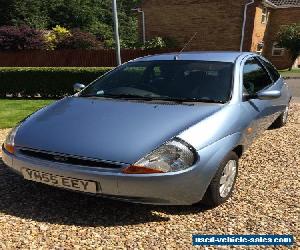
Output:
x=273 y=72
x=255 y=77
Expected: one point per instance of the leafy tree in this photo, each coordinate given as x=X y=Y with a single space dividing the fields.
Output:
x=6 y=8
x=94 y=16
x=20 y=38
x=28 y=12
x=289 y=38
x=71 y=13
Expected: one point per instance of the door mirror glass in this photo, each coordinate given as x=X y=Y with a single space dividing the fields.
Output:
x=78 y=87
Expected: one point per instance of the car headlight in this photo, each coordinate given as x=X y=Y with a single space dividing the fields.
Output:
x=9 y=143
x=173 y=156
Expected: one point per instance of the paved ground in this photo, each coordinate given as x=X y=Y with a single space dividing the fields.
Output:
x=266 y=201
x=294 y=85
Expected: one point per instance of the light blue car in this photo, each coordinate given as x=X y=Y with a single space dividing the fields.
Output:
x=164 y=129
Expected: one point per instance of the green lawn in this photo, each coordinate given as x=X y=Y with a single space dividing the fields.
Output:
x=13 y=111
x=292 y=73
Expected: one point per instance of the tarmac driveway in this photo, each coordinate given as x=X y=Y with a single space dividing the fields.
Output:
x=294 y=85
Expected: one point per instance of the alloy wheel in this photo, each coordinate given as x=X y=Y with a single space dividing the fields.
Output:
x=227 y=179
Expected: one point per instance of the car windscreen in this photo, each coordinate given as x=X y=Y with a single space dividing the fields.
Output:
x=166 y=80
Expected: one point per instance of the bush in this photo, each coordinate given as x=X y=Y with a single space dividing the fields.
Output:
x=160 y=43
x=171 y=42
x=56 y=36
x=155 y=43
x=80 y=40
x=47 y=82
x=14 y=38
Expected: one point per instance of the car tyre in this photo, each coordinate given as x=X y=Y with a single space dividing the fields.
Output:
x=222 y=185
x=282 y=119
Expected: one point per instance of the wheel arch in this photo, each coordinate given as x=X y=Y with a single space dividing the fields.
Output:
x=239 y=150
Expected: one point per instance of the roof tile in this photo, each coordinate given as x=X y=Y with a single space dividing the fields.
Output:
x=286 y=3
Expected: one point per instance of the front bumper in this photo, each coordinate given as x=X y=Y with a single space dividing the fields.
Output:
x=180 y=188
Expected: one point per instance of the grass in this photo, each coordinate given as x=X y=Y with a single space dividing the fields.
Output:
x=292 y=73
x=13 y=111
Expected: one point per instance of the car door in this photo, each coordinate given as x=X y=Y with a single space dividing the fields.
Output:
x=256 y=78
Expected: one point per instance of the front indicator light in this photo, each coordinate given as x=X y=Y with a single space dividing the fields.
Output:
x=9 y=143
x=140 y=170
x=9 y=148
x=173 y=156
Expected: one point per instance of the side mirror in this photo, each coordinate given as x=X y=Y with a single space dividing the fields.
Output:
x=268 y=94
x=263 y=95
x=78 y=87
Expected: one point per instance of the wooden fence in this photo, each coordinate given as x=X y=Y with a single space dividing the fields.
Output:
x=70 y=58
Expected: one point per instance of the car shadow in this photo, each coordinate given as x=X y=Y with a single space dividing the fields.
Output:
x=38 y=202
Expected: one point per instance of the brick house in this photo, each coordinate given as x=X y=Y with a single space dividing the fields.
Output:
x=286 y=12
x=223 y=25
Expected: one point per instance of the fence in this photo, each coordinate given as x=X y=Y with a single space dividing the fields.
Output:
x=70 y=58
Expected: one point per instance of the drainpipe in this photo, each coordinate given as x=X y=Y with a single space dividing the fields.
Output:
x=244 y=23
x=139 y=10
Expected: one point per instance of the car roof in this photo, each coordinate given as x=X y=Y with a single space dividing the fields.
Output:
x=220 y=56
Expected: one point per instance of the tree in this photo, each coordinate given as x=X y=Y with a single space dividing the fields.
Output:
x=94 y=16
x=32 y=13
x=289 y=38
x=6 y=8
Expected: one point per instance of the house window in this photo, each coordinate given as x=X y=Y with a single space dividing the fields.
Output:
x=259 y=48
x=277 y=50
x=265 y=15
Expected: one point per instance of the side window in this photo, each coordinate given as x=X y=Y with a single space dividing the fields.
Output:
x=277 y=50
x=273 y=72
x=255 y=77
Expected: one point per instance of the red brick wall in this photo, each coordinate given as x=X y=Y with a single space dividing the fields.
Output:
x=218 y=22
x=278 y=18
x=259 y=28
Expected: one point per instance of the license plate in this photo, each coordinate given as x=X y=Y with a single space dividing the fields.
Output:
x=60 y=181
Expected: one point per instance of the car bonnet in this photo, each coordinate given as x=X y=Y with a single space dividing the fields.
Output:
x=112 y=130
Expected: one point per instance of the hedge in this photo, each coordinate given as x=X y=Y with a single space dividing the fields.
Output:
x=48 y=82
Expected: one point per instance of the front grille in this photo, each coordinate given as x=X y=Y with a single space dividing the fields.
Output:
x=74 y=160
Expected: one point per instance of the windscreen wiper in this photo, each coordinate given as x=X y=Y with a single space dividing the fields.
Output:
x=120 y=96
x=183 y=100
x=210 y=100
x=129 y=96
x=151 y=98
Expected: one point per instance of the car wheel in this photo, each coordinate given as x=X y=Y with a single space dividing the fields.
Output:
x=222 y=185
x=282 y=119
